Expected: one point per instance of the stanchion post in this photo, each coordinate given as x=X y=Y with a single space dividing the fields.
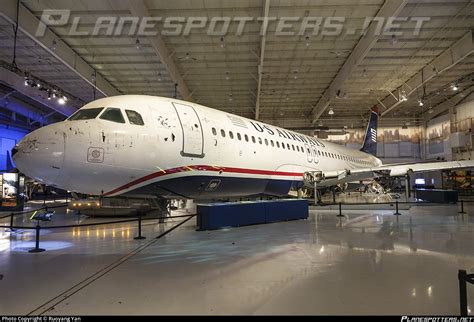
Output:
x=37 y=249
x=139 y=227
x=462 y=292
x=340 y=210
x=396 y=209
x=11 y=221
x=462 y=212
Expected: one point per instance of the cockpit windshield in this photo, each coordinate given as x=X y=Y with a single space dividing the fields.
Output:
x=86 y=114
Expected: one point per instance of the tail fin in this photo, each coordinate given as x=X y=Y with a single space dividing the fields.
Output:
x=370 y=140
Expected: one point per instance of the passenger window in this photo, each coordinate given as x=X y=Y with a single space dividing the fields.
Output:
x=246 y=138
x=223 y=133
x=288 y=146
x=278 y=144
x=319 y=152
x=266 y=142
x=260 y=140
x=231 y=135
x=272 y=143
x=239 y=137
x=134 y=117
x=293 y=146
x=253 y=139
x=283 y=145
x=113 y=114
x=214 y=131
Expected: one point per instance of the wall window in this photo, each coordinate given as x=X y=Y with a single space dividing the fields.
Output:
x=231 y=135
x=239 y=137
x=278 y=144
x=246 y=137
x=214 y=131
x=260 y=140
x=266 y=142
x=272 y=143
x=223 y=133
x=253 y=139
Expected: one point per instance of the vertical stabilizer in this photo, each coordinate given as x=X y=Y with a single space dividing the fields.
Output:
x=370 y=139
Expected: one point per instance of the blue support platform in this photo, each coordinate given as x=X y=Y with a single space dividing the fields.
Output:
x=234 y=214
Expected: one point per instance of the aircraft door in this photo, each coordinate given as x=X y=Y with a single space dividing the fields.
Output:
x=315 y=153
x=309 y=153
x=193 y=139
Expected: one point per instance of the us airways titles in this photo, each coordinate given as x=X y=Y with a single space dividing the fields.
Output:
x=286 y=134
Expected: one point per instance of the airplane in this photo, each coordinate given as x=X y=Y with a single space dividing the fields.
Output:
x=136 y=145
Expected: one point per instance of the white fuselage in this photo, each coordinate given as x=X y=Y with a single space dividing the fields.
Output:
x=182 y=150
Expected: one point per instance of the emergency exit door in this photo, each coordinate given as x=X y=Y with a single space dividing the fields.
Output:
x=193 y=139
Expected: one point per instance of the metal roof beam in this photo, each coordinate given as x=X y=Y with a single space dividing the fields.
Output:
x=266 y=8
x=390 y=8
x=449 y=58
x=139 y=9
x=16 y=82
x=29 y=23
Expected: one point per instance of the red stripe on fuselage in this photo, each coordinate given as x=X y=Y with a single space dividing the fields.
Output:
x=200 y=168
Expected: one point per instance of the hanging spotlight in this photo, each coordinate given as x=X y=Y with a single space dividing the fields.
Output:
x=403 y=96
x=38 y=85
x=137 y=44
x=61 y=101
x=49 y=95
x=65 y=98
x=420 y=103
x=454 y=87
x=230 y=98
x=307 y=41
x=331 y=111
x=54 y=45
x=222 y=42
x=227 y=77
x=159 y=77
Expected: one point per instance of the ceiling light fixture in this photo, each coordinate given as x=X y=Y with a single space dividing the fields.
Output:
x=331 y=111
x=307 y=41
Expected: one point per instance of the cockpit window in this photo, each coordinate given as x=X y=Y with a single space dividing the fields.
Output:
x=134 y=117
x=113 y=114
x=86 y=114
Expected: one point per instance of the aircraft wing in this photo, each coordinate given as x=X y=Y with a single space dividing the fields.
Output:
x=336 y=177
x=403 y=169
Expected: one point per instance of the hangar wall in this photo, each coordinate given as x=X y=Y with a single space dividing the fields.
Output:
x=9 y=136
x=447 y=137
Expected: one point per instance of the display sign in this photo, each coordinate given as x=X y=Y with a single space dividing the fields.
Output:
x=11 y=188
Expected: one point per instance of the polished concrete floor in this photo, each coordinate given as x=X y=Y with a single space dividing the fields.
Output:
x=368 y=262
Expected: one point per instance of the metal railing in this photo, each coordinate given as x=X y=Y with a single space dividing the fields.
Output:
x=138 y=219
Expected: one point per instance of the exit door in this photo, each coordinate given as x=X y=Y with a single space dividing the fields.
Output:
x=193 y=139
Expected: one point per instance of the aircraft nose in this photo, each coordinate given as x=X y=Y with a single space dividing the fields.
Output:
x=40 y=154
